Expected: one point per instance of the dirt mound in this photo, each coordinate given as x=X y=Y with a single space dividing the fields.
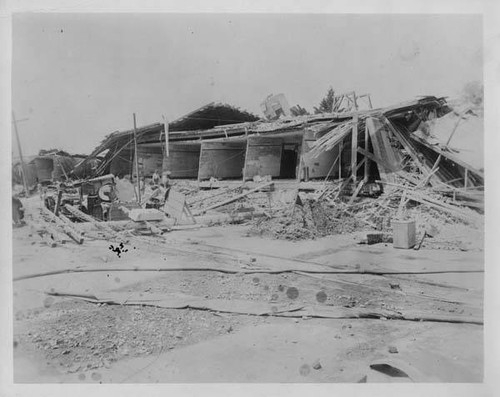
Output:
x=309 y=220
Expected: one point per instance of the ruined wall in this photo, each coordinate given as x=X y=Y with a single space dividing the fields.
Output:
x=221 y=160
x=44 y=168
x=183 y=161
x=121 y=165
x=263 y=157
x=150 y=159
x=320 y=166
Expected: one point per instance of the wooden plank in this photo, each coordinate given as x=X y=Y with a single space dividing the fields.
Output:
x=58 y=201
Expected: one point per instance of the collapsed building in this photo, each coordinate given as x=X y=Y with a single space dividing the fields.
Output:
x=367 y=166
x=50 y=166
x=218 y=141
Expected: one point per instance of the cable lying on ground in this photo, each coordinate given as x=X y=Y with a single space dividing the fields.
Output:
x=239 y=271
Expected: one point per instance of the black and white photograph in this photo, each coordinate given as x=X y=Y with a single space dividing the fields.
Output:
x=255 y=198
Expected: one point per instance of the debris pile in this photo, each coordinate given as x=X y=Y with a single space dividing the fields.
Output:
x=308 y=220
x=397 y=163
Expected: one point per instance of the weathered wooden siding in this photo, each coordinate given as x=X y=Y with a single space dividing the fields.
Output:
x=221 y=160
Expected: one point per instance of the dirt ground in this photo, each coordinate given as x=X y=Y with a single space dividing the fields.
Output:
x=71 y=340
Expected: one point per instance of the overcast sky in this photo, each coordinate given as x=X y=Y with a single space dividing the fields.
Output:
x=78 y=77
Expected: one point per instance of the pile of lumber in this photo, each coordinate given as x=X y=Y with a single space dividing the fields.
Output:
x=408 y=168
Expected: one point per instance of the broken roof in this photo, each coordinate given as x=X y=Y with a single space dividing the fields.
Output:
x=204 y=118
x=209 y=116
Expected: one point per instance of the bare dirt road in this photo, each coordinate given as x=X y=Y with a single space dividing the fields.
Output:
x=218 y=305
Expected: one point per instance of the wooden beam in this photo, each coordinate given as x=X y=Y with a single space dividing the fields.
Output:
x=449 y=156
x=408 y=146
x=367 y=162
x=354 y=147
x=246 y=159
x=66 y=227
x=82 y=215
x=400 y=173
x=23 y=168
x=167 y=137
x=356 y=192
x=345 y=182
x=301 y=161
x=341 y=149
x=58 y=202
x=137 y=164
x=442 y=206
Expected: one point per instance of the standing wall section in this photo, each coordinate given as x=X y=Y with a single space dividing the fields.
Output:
x=44 y=168
x=263 y=157
x=319 y=166
x=183 y=160
x=150 y=159
x=221 y=160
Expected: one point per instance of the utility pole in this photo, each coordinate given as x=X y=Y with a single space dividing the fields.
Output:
x=137 y=164
x=23 y=169
x=167 y=147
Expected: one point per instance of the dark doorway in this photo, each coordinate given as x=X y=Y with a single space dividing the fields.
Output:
x=289 y=161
